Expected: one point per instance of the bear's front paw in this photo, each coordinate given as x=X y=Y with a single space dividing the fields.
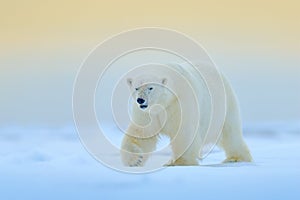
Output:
x=132 y=156
x=135 y=161
x=182 y=162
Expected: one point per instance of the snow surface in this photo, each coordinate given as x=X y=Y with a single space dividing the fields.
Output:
x=40 y=163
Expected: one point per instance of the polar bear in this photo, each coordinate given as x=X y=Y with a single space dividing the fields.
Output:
x=147 y=124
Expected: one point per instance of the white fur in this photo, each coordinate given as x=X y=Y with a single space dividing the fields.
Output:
x=143 y=133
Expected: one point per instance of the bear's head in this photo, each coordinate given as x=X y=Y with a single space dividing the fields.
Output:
x=147 y=91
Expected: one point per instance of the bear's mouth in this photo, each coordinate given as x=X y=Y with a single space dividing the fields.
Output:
x=143 y=106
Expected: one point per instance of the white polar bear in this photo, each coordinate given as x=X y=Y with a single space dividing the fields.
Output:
x=149 y=90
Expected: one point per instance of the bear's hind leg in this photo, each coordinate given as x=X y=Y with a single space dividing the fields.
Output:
x=234 y=145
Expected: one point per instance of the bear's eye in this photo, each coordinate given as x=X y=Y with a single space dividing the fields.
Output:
x=136 y=88
x=151 y=88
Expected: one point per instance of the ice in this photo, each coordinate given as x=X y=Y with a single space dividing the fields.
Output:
x=47 y=163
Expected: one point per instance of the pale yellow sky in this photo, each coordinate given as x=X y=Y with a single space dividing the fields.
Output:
x=42 y=44
x=45 y=23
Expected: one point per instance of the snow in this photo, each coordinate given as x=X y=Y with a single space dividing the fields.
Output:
x=47 y=163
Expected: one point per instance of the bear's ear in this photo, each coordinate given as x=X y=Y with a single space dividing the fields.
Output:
x=164 y=81
x=129 y=82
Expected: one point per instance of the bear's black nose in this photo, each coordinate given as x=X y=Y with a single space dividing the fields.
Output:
x=140 y=101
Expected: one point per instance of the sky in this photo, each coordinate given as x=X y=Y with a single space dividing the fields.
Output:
x=43 y=43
